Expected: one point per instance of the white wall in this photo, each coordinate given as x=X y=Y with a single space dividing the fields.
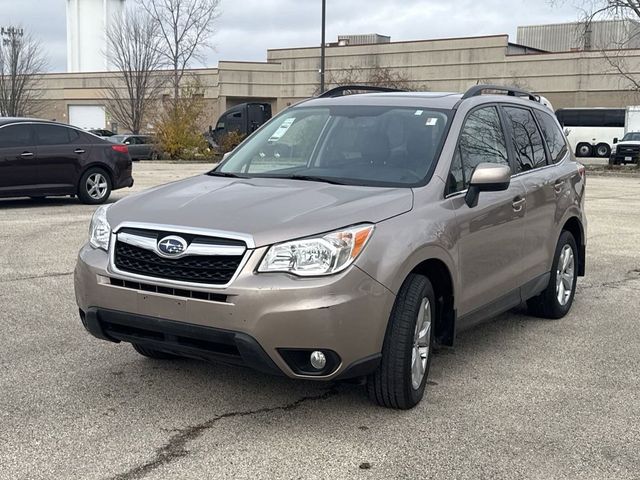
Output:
x=87 y=24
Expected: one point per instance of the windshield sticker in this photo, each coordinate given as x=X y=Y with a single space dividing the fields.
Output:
x=282 y=129
x=431 y=121
x=418 y=113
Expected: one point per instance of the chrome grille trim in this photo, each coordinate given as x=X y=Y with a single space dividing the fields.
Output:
x=193 y=249
x=115 y=272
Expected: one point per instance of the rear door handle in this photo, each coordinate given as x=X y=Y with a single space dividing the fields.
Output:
x=79 y=150
x=26 y=154
x=518 y=204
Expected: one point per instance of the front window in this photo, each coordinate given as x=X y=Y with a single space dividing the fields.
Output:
x=481 y=141
x=355 y=145
x=631 y=137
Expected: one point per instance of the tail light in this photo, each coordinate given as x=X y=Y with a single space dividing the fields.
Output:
x=120 y=148
x=581 y=170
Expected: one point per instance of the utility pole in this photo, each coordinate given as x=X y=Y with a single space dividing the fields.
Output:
x=322 y=45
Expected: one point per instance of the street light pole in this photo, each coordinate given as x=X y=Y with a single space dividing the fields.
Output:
x=322 y=45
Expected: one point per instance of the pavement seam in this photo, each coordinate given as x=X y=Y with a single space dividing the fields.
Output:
x=175 y=448
x=32 y=277
x=632 y=275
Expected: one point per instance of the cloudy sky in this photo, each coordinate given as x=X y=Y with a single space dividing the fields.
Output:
x=246 y=28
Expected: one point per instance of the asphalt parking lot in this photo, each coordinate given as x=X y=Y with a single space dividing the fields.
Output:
x=519 y=397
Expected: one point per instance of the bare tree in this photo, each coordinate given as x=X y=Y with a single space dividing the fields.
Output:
x=138 y=82
x=185 y=31
x=375 y=77
x=21 y=65
x=614 y=50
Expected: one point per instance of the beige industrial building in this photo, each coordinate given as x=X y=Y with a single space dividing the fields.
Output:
x=567 y=79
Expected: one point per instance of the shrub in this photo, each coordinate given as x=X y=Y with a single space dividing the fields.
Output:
x=178 y=128
x=229 y=141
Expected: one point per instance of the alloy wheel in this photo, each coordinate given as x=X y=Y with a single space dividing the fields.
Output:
x=97 y=185
x=565 y=275
x=421 y=344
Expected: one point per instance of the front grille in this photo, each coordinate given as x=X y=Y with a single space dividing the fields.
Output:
x=628 y=149
x=205 y=269
x=194 y=342
x=176 y=292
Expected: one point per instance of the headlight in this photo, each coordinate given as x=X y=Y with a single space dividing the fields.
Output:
x=614 y=148
x=320 y=255
x=100 y=230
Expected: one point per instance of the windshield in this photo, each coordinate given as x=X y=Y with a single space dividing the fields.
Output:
x=631 y=136
x=356 y=145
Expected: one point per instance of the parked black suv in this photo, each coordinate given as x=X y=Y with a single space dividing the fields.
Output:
x=40 y=158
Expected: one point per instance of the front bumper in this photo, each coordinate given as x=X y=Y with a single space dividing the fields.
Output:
x=252 y=320
x=626 y=158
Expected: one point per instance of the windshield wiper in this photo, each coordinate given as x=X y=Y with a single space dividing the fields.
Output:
x=226 y=174
x=311 y=178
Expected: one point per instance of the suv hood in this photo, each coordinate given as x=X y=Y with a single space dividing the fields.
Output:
x=270 y=210
x=628 y=142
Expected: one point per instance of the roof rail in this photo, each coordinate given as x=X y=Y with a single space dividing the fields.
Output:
x=512 y=91
x=340 y=91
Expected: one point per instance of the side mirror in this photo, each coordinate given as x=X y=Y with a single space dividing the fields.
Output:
x=487 y=177
x=224 y=157
x=127 y=143
x=615 y=140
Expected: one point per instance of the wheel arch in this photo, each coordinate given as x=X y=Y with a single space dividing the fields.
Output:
x=441 y=280
x=99 y=165
x=574 y=226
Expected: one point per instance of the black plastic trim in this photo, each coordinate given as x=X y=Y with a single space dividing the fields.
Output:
x=362 y=367
x=340 y=91
x=511 y=91
x=185 y=339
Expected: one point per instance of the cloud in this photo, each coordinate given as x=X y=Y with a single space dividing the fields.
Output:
x=247 y=28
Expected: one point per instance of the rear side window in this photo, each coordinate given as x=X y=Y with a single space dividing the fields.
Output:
x=16 y=136
x=55 y=135
x=481 y=141
x=526 y=139
x=552 y=135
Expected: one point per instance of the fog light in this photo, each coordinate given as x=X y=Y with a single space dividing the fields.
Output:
x=318 y=360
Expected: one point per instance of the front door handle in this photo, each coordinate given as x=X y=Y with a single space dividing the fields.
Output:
x=558 y=186
x=518 y=204
x=26 y=154
x=79 y=150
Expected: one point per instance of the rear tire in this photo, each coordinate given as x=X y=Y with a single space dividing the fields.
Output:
x=94 y=187
x=556 y=300
x=152 y=353
x=603 y=150
x=400 y=380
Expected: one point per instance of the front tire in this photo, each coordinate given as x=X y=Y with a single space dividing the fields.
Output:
x=584 y=150
x=400 y=380
x=556 y=300
x=94 y=187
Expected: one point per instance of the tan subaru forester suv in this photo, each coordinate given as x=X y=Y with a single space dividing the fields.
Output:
x=346 y=238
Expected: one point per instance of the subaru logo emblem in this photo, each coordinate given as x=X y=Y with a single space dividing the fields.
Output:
x=172 y=246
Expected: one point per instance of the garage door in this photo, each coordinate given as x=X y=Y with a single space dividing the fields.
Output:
x=87 y=116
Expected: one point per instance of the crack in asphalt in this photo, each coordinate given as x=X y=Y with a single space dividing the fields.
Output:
x=175 y=448
x=32 y=277
x=632 y=275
